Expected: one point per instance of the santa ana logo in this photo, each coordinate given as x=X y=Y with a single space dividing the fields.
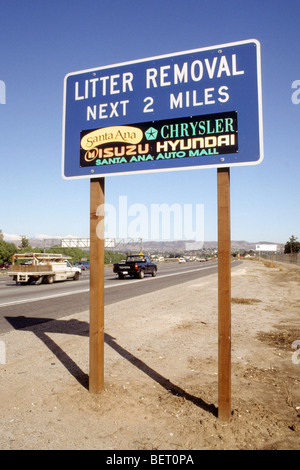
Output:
x=107 y=135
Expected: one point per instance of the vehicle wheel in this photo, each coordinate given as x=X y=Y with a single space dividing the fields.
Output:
x=76 y=276
x=49 y=279
x=154 y=272
x=121 y=276
x=141 y=274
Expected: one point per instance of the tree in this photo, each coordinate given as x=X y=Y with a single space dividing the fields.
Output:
x=292 y=246
x=76 y=253
x=111 y=257
x=24 y=242
x=6 y=251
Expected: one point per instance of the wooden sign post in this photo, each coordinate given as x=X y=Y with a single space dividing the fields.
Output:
x=224 y=295
x=96 y=366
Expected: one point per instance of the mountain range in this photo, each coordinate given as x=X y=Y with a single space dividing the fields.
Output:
x=156 y=246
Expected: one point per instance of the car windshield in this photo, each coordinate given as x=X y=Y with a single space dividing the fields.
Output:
x=135 y=258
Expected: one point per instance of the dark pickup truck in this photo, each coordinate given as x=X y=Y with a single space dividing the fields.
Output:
x=135 y=266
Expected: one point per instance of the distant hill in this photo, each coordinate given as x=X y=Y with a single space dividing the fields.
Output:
x=209 y=245
x=160 y=246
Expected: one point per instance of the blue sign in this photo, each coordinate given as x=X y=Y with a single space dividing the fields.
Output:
x=190 y=110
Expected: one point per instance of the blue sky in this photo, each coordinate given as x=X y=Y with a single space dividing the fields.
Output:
x=43 y=40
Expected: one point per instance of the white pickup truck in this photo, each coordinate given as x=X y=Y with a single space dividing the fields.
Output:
x=42 y=267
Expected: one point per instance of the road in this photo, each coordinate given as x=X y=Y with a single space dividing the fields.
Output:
x=66 y=298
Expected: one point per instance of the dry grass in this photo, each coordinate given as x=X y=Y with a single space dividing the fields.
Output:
x=244 y=301
x=270 y=264
x=282 y=337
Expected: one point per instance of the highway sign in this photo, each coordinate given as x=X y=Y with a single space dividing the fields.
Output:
x=266 y=248
x=188 y=110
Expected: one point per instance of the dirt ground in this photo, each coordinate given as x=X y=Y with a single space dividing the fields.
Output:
x=161 y=363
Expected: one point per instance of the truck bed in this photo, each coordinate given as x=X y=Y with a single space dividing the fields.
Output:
x=31 y=268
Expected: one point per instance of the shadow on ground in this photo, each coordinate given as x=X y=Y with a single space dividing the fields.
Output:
x=42 y=326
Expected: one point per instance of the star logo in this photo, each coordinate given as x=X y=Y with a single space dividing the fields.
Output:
x=151 y=133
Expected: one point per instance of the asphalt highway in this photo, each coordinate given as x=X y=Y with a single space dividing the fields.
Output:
x=49 y=301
